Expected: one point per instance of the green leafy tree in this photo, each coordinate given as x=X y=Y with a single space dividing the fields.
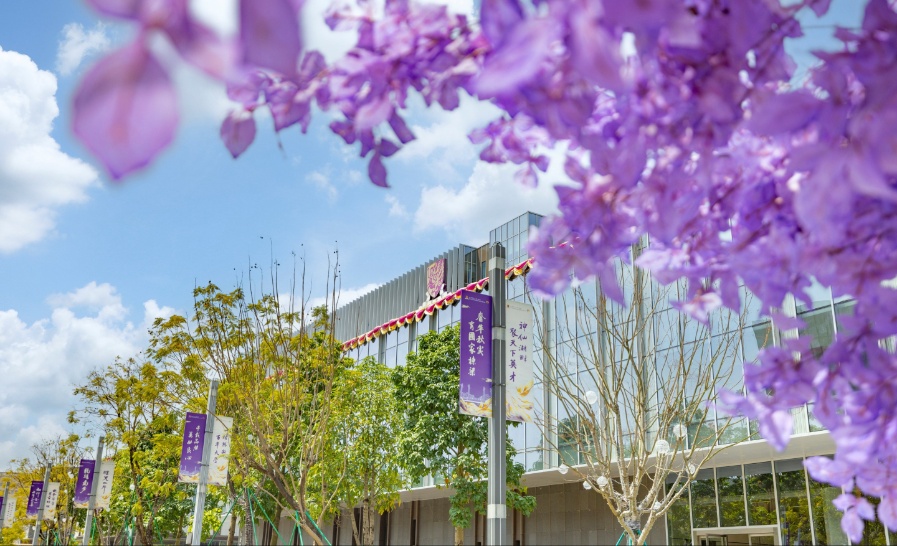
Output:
x=278 y=367
x=141 y=409
x=361 y=462
x=437 y=440
x=62 y=455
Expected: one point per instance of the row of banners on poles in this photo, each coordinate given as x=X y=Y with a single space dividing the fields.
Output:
x=476 y=380
x=191 y=461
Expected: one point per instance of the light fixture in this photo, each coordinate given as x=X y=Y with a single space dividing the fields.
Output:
x=586 y=485
x=680 y=430
x=591 y=397
x=601 y=481
x=662 y=447
x=563 y=469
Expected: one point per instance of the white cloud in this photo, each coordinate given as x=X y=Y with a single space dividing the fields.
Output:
x=441 y=144
x=41 y=362
x=396 y=209
x=36 y=177
x=322 y=181
x=77 y=45
x=490 y=197
x=333 y=45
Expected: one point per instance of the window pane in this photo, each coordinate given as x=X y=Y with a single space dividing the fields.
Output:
x=795 y=513
x=761 y=505
x=826 y=518
x=703 y=499
x=534 y=460
x=819 y=329
x=731 y=496
x=756 y=337
x=678 y=521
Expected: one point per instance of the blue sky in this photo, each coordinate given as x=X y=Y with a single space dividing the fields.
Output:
x=87 y=263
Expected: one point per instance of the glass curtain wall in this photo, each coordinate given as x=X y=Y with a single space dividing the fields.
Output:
x=767 y=493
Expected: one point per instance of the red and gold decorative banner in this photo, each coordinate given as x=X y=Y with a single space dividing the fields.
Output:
x=430 y=308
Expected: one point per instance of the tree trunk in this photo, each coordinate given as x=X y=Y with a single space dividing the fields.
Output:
x=247 y=522
x=355 y=526
x=459 y=536
x=231 y=531
x=367 y=522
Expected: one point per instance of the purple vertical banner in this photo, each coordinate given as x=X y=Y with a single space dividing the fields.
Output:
x=476 y=354
x=37 y=489
x=2 y=500
x=85 y=482
x=191 y=448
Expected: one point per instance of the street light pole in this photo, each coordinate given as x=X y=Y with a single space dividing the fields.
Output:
x=497 y=509
x=204 y=469
x=4 y=507
x=94 y=487
x=35 y=540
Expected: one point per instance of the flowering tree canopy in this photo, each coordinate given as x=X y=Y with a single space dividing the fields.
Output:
x=679 y=119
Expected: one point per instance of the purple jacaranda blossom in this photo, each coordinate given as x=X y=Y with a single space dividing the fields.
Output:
x=238 y=131
x=823 y=469
x=377 y=171
x=499 y=18
x=269 y=35
x=700 y=307
x=887 y=510
x=594 y=52
x=126 y=109
x=518 y=60
x=855 y=509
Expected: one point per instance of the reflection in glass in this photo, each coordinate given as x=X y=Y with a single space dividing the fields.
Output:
x=759 y=485
x=731 y=496
x=679 y=521
x=819 y=329
x=534 y=460
x=757 y=337
x=793 y=506
x=703 y=499
x=826 y=518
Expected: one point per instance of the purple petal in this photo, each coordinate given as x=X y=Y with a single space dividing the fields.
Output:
x=852 y=525
x=377 y=172
x=776 y=427
x=202 y=47
x=238 y=131
x=518 y=60
x=386 y=147
x=773 y=114
x=373 y=113
x=125 y=109
x=498 y=18
x=126 y=9
x=820 y=7
x=269 y=34
x=400 y=128
x=887 y=511
x=595 y=54
x=526 y=176
x=826 y=470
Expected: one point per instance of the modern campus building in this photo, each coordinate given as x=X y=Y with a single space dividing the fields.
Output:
x=748 y=494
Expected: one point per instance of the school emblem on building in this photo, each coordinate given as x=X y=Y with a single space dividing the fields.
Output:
x=436 y=278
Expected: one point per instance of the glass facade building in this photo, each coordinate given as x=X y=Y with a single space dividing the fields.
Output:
x=748 y=494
